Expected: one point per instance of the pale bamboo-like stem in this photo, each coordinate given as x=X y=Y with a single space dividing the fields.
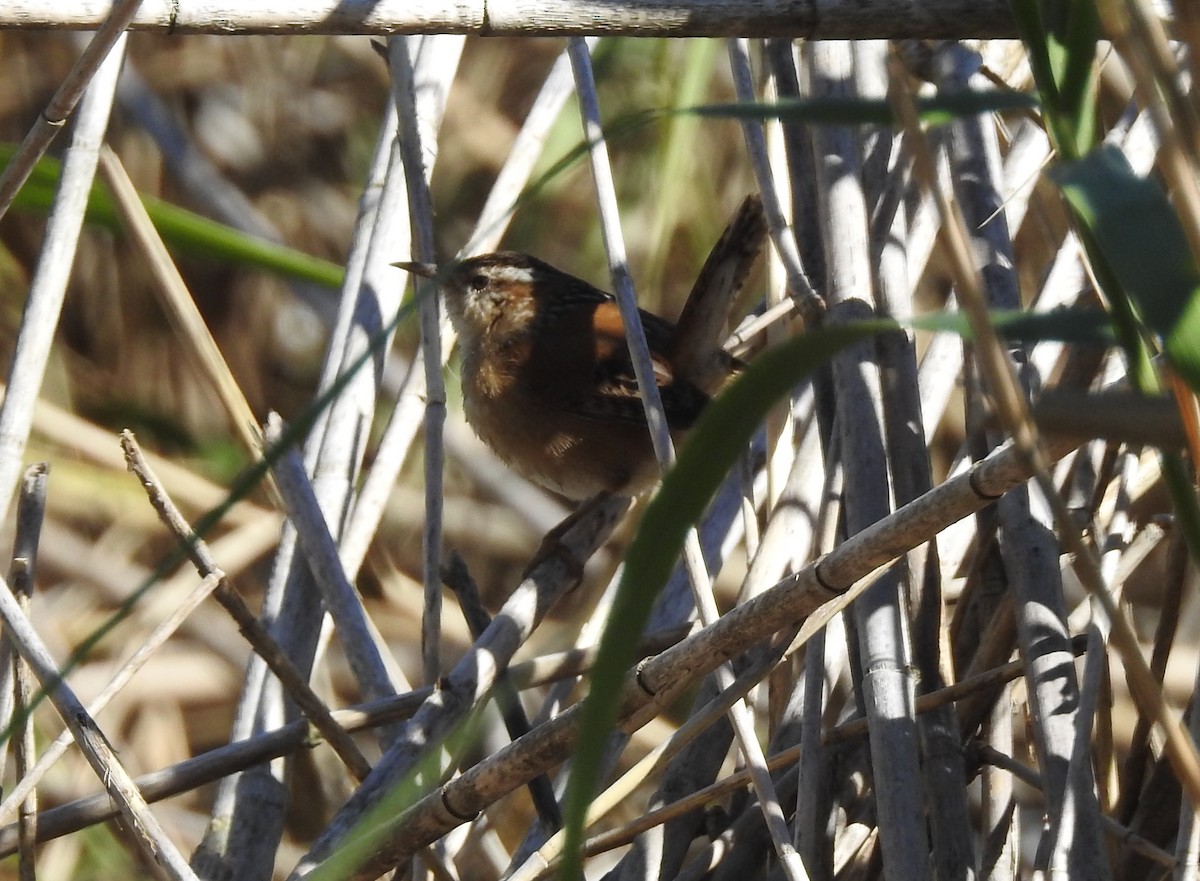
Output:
x=51 y=121
x=799 y=287
x=1028 y=548
x=370 y=295
x=493 y=221
x=843 y=19
x=48 y=287
x=383 y=213
x=700 y=761
x=523 y=157
x=508 y=702
x=364 y=648
x=1063 y=284
x=803 y=299
x=22 y=575
x=293 y=737
x=780 y=424
x=888 y=689
x=614 y=246
x=921 y=602
x=612 y=796
x=420 y=206
x=816 y=591
x=810 y=825
x=290 y=601
x=383 y=232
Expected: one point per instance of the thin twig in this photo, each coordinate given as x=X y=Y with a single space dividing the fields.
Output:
x=614 y=247
x=54 y=117
x=800 y=289
x=258 y=637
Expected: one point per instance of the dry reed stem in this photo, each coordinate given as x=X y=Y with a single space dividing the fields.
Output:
x=31 y=511
x=1014 y=411
x=181 y=309
x=376 y=671
x=472 y=677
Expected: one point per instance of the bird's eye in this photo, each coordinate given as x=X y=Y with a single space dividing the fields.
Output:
x=478 y=282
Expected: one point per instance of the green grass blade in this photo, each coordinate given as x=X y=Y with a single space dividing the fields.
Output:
x=933 y=109
x=1079 y=326
x=1060 y=41
x=185 y=230
x=1138 y=234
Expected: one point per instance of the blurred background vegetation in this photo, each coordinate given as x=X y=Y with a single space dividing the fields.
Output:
x=288 y=125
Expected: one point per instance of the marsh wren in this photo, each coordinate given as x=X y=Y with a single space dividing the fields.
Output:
x=547 y=379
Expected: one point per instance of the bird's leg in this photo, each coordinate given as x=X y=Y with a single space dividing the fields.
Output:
x=552 y=545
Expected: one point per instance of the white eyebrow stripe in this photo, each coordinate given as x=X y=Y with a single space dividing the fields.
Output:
x=518 y=274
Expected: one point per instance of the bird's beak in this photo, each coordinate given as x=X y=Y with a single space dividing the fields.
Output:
x=425 y=270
